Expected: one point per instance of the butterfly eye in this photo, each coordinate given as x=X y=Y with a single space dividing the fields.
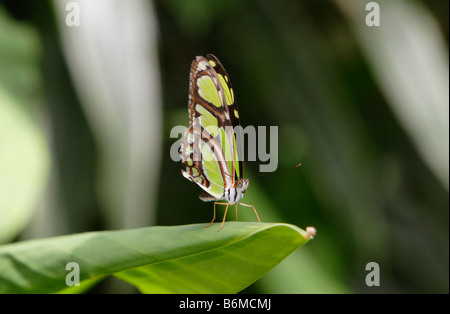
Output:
x=243 y=185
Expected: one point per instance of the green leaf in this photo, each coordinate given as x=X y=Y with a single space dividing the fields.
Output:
x=179 y=259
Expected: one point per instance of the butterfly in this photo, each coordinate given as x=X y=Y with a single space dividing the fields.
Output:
x=209 y=148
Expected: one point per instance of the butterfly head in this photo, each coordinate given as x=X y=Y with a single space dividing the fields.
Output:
x=242 y=184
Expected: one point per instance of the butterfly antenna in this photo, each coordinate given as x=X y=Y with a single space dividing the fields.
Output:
x=278 y=171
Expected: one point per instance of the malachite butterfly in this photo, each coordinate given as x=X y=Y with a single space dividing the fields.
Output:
x=209 y=148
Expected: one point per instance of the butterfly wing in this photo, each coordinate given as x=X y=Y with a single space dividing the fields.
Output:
x=231 y=115
x=209 y=148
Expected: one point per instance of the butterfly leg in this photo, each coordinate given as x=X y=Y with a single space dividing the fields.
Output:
x=214 y=215
x=254 y=209
x=224 y=216
x=236 y=212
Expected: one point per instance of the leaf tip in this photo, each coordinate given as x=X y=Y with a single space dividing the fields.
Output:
x=310 y=233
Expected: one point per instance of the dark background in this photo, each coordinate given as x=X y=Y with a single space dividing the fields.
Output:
x=346 y=99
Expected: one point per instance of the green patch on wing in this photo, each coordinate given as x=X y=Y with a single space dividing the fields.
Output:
x=212 y=172
x=208 y=91
x=227 y=90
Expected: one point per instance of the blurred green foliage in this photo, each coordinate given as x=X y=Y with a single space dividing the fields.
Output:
x=313 y=68
x=24 y=155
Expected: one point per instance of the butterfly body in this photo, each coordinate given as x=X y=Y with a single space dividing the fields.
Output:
x=210 y=146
